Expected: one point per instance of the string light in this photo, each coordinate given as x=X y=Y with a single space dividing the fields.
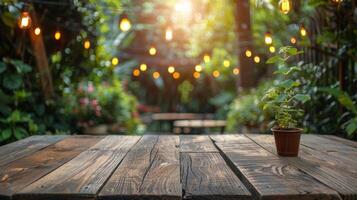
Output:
x=226 y=63
x=125 y=23
x=293 y=40
x=216 y=73
x=86 y=44
x=171 y=69
x=57 y=35
x=115 y=61
x=337 y=1
x=268 y=38
x=303 y=31
x=285 y=6
x=235 y=71
x=156 y=75
x=272 y=49
x=256 y=59
x=248 y=53
x=152 y=51
x=24 y=21
x=136 y=72
x=196 y=75
x=37 y=31
x=168 y=34
x=198 y=68
x=143 y=67
x=206 y=58
x=176 y=75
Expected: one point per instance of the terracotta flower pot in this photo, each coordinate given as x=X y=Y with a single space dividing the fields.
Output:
x=287 y=141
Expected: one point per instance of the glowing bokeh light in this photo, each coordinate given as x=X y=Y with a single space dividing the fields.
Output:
x=171 y=69
x=248 y=53
x=115 y=61
x=24 y=20
x=143 y=67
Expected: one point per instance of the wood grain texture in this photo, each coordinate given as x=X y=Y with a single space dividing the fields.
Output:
x=341 y=140
x=270 y=177
x=151 y=170
x=21 y=148
x=22 y=172
x=233 y=138
x=196 y=143
x=207 y=176
x=83 y=176
x=325 y=171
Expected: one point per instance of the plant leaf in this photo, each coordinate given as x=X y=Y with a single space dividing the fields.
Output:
x=2 y=67
x=303 y=98
x=20 y=133
x=351 y=128
x=21 y=67
x=6 y=134
x=274 y=59
x=12 y=81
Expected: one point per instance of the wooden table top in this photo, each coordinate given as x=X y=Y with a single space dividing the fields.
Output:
x=207 y=123
x=176 y=167
x=179 y=116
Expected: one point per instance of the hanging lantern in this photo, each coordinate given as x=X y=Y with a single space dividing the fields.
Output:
x=24 y=21
x=168 y=34
x=268 y=38
x=37 y=31
x=57 y=35
x=303 y=31
x=152 y=51
x=124 y=23
x=285 y=6
x=86 y=44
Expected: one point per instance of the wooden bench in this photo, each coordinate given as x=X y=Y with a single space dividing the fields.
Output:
x=171 y=117
x=186 y=125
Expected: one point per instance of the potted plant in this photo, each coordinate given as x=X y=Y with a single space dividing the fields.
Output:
x=283 y=101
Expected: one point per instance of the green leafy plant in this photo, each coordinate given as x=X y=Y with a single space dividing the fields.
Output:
x=283 y=99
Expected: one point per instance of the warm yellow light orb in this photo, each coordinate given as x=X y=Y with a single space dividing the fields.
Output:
x=272 y=49
x=24 y=21
x=256 y=59
x=268 y=38
x=37 y=31
x=216 y=73
x=206 y=58
x=198 y=68
x=285 y=6
x=235 y=71
x=143 y=67
x=169 y=34
x=226 y=63
x=136 y=72
x=57 y=35
x=156 y=75
x=248 y=53
x=176 y=75
x=125 y=24
x=293 y=40
x=86 y=44
x=303 y=31
x=115 y=61
x=171 y=69
x=196 y=75
x=152 y=51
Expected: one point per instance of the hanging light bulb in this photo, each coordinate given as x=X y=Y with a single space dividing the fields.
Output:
x=272 y=49
x=248 y=53
x=196 y=75
x=168 y=34
x=293 y=40
x=256 y=59
x=57 y=35
x=268 y=38
x=143 y=67
x=115 y=61
x=171 y=69
x=285 y=6
x=206 y=58
x=86 y=44
x=198 y=68
x=37 y=31
x=24 y=21
x=124 y=23
x=152 y=51
x=303 y=31
x=235 y=71
x=226 y=63
x=216 y=73
x=176 y=75
x=156 y=75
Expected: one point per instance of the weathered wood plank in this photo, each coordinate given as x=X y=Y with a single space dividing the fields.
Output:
x=342 y=181
x=207 y=176
x=196 y=143
x=21 y=148
x=22 y=172
x=270 y=177
x=233 y=138
x=151 y=170
x=342 y=140
x=83 y=176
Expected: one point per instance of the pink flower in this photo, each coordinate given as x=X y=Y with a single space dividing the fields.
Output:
x=84 y=101
x=94 y=102
x=90 y=88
